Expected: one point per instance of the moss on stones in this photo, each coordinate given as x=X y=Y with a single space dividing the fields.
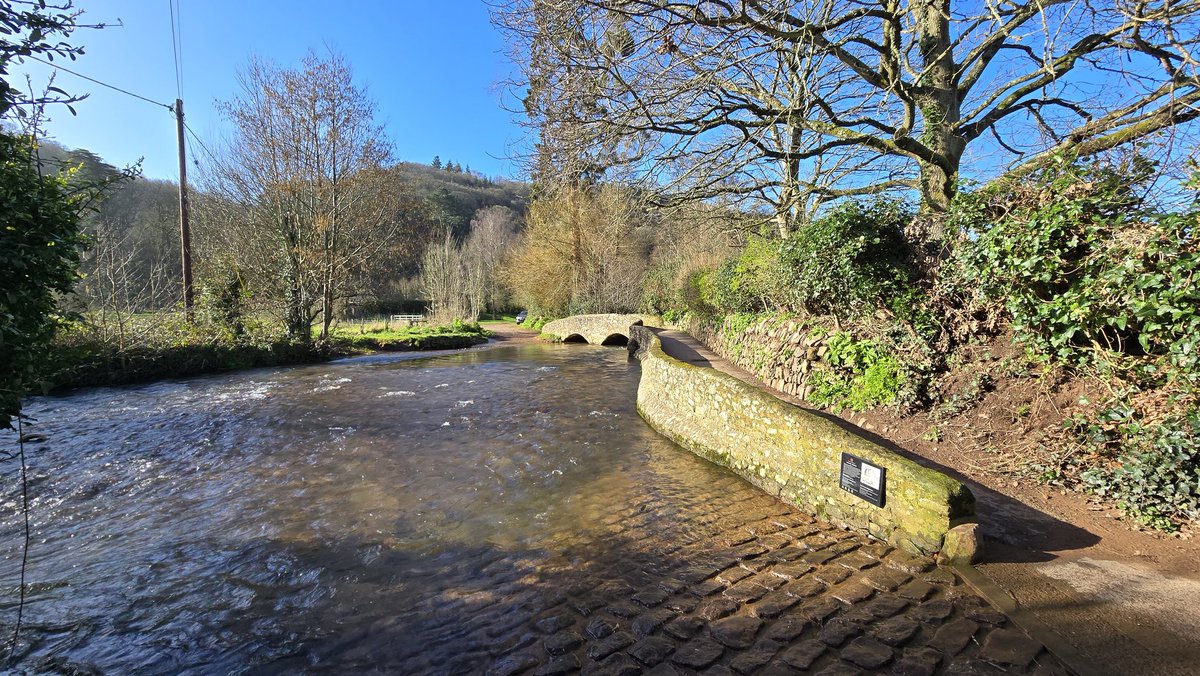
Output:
x=792 y=453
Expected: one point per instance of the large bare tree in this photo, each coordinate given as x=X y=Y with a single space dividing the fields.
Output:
x=306 y=169
x=795 y=103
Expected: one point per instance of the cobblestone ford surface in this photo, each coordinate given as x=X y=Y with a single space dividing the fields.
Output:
x=744 y=585
x=538 y=527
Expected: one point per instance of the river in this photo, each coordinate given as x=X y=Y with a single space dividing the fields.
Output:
x=403 y=513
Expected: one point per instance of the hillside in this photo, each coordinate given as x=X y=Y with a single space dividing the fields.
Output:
x=455 y=196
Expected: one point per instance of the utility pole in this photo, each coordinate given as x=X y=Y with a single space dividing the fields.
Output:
x=185 y=233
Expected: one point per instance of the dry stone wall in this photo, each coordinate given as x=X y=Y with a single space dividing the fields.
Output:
x=792 y=453
x=781 y=353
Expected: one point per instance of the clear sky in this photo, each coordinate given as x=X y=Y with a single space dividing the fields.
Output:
x=434 y=67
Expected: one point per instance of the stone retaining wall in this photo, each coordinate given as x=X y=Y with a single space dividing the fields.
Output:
x=781 y=353
x=792 y=453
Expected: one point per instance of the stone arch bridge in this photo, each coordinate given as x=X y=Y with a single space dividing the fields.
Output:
x=608 y=329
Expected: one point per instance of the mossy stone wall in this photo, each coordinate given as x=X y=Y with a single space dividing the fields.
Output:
x=792 y=453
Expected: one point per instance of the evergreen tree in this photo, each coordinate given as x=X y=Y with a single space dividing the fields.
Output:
x=40 y=240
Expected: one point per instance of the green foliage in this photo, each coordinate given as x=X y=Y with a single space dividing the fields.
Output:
x=226 y=304
x=166 y=345
x=850 y=262
x=170 y=347
x=696 y=291
x=659 y=295
x=536 y=322
x=675 y=316
x=457 y=335
x=736 y=324
x=1156 y=478
x=1088 y=272
x=748 y=282
x=32 y=28
x=860 y=374
x=40 y=244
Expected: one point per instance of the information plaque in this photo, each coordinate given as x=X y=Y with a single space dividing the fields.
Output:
x=863 y=479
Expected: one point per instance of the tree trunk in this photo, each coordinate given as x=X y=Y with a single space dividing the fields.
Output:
x=939 y=106
x=789 y=196
x=295 y=316
x=327 y=276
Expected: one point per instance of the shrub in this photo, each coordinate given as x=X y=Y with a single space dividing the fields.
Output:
x=1156 y=476
x=659 y=294
x=40 y=244
x=1087 y=271
x=750 y=281
x=675 y=317
x=696 y=291
x=224 y=303
x=536 y=322
x=860 y=374
x=850 y=262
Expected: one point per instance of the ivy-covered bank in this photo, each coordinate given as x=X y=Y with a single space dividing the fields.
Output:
x=1068 y=282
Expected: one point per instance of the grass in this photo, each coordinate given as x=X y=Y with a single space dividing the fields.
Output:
x=164 y=345
x=380 y=336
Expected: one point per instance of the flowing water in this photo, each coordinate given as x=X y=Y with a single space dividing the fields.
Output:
x=398 y=513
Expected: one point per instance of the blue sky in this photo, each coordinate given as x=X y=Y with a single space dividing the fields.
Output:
x=433 y=67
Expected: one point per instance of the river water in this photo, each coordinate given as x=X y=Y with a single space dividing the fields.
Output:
x=400 y=513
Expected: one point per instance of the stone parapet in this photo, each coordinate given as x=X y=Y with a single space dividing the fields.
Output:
x=595 y=329
x=793 y=453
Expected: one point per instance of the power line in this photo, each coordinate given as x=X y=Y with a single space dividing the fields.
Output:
x=102 y=84
x=177 y=47
x=195 y=136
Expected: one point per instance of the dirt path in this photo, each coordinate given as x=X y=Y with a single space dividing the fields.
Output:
x=1119 y=601
x=507 y=333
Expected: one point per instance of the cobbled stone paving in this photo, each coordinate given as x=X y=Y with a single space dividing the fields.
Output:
x=736 y=583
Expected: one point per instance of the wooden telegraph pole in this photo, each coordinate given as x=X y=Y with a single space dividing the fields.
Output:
x=185 y=233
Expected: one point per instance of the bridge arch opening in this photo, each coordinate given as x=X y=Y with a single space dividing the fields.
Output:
x=574 y=338
x=616 y=339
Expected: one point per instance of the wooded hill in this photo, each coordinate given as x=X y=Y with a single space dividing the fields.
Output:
x=134 y=259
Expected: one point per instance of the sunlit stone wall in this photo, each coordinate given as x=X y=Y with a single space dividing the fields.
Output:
x=792 y=453
x=595 y=329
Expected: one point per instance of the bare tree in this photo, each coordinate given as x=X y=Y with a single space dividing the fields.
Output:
x=116 y=285
x=306 y=168
x=849 y=97
x=493 y=235
x=461 y=281
x=582 y=251
x=444 y=281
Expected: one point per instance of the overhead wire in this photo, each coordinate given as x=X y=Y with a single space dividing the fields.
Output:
x=208 y=152
x=176 y=42
x=102 y=84
x=177 y=47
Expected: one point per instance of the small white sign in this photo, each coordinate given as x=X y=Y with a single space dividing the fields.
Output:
x=870 y=476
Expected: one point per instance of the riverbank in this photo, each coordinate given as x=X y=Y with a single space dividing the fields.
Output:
x=81 y=360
